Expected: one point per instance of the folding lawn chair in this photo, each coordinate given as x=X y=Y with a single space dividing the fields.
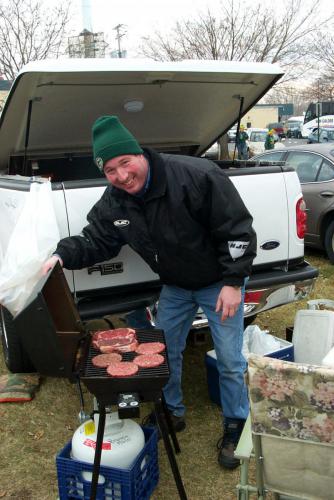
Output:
x=290 y=431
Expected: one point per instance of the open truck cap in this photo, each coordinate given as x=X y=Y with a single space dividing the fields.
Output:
x=174 y=107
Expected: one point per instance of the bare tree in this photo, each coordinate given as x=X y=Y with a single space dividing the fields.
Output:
x=239 y=33
x=322 y=89
x=29 y=31
x=245 y=33
x=325 y=52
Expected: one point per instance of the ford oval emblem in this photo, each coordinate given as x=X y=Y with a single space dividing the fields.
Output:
x=270 y=245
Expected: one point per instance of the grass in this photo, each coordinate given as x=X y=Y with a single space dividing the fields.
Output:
x=33 y=432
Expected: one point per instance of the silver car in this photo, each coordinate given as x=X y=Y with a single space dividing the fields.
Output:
x=321 y=135
x=314 y=164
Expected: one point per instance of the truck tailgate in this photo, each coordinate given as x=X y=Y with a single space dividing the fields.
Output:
x=266 y=192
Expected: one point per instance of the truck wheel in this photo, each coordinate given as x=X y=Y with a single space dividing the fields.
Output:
x=16 y=358
x=329 y=242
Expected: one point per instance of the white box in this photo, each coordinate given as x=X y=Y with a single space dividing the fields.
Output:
x=313 y=335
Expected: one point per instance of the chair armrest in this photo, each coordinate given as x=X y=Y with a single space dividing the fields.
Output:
x=245 y=446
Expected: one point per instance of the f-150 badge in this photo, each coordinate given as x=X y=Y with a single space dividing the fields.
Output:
x=110 y=268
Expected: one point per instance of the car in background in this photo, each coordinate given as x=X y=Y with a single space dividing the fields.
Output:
x=321 y=135
x=314 y=164
x=231 y=134
x=294 y=129
x=257 y=139
x=278 y=128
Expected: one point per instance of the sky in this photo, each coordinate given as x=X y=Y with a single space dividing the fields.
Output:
x=143 y=17
x=139 y=17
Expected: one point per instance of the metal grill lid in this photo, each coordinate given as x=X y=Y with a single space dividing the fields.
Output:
x=55 y=328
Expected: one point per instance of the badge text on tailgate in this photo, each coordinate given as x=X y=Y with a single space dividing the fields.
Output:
x=111 y=268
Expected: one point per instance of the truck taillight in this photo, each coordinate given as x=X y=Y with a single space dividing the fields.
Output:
x=301 y=218
x=254 y=296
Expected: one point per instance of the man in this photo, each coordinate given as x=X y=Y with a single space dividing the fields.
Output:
x=241 y=142
x=186 y=219
x=270 y=140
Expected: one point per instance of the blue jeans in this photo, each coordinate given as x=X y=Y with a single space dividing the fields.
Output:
x=242 y=151
x=176 y=310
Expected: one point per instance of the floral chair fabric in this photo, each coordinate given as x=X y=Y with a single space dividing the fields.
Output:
x=291 y=400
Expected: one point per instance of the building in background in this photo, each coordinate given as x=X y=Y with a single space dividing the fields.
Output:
x=87 y=45
x=262 y=114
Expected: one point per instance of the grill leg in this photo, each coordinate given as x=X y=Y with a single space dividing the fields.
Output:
x=170 y=426
x=98 y=451
x=169 y=449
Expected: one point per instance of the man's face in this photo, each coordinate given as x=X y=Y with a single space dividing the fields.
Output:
x=127 y=172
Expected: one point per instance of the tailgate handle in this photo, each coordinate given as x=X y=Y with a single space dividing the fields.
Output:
x=327 y=194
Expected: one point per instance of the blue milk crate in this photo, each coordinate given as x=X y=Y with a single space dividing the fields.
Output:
x=135 y=483
x=284 y=352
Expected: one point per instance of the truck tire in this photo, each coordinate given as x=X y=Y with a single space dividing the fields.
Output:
x=15 y=356
x=329 y=242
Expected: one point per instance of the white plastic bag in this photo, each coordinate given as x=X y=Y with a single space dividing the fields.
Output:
x=257 y=341
x=33 y=239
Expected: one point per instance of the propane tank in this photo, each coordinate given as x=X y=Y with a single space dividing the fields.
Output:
x=122 y=441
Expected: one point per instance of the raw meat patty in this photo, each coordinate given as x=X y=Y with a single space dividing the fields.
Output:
x=103 y=360
x=148 y=360
x=122 y=369
x=150 y=348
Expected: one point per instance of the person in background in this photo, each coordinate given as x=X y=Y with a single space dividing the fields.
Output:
x=186 y=219
x=241 y=143
x=270 y=140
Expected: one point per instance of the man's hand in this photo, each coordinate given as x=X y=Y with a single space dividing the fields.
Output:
x=228 y=301
x=50 y=263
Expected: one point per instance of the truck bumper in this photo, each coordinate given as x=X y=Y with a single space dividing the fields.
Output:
x=265 y=290
x=275 y=288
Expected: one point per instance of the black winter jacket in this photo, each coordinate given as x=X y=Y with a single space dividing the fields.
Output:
x=191 y=226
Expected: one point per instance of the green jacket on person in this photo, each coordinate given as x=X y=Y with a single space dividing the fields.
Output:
x=270 y=142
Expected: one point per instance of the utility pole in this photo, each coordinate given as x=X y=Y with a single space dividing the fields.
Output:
x=118 y=37
x=319 y=110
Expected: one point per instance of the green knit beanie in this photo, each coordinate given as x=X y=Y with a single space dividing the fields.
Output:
x=111 y=139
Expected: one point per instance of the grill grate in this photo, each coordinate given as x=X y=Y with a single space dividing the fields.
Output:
x=143 y=336
x=148 y=382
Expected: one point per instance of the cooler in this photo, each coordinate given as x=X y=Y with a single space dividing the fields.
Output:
x=285 y=352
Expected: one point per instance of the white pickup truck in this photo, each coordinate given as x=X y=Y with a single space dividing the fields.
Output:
x=175 y=107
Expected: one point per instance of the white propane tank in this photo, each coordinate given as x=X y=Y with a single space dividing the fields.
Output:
x=123 y=440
